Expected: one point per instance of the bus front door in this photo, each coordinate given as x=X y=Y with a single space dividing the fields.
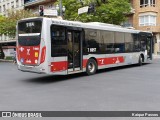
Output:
x=74 y=50
x=146 y=43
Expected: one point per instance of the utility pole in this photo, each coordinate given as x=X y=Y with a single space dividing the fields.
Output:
x=60 y=7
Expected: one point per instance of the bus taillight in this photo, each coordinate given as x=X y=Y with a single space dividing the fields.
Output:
x=43 y=54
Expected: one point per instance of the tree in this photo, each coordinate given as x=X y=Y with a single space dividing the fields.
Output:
x=2 y=21
x=8 y=24
x=107 y=11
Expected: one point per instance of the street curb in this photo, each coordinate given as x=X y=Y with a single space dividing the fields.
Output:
x=2 y=60
x=156 y=56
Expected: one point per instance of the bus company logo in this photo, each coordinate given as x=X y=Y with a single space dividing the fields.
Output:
x=28 y=51
x=21 y=49
x=6 y=114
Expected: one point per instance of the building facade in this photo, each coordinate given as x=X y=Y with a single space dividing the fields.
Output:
x=6 y=5
x=10 y=4
x=7 y=44
x=34 y=4
x=145 y=16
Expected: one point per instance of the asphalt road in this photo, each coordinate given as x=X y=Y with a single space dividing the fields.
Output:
x=129 y=88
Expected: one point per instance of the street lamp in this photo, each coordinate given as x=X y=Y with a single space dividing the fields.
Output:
x=63 y=9
x=60 y=8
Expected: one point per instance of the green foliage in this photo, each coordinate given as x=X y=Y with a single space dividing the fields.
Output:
x=2 y=21
x=8 y=24
x=107 y=11
x=8 y=58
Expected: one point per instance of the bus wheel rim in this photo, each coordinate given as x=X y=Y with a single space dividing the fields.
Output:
x=91 y=67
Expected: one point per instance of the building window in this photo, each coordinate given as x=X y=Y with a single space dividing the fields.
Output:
x=17 y=4
x=147 y=20
x=4 y=8
x=145 y=3
x=12 y=4
x=22 y=2
x=8 y=6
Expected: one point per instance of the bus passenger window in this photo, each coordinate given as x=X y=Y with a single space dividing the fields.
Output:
x=136 y=43
x=143 y=42
x=119 y=42
x=92 y=40
x=107 y=40
x=128 y=42
x=58 y=41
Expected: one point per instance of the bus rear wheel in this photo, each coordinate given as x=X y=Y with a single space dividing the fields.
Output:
x=91 y=67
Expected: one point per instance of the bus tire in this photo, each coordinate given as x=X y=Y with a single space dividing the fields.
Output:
x=91 y=67
x=140 y=61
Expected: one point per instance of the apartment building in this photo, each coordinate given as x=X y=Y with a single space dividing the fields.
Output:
x=34 y=4
x=7 y=43
x=146 y=17
x=6 y=5
x=10 y=4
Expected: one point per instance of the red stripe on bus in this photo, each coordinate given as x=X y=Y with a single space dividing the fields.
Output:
x=17 y=54
x=59 y=66
x=43 y=54
x=85 y=63
x=106 y=61
x=63 y=65
x=111 y=60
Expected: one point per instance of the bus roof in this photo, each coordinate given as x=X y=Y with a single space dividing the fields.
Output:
x=93 y=25
x=90 y=25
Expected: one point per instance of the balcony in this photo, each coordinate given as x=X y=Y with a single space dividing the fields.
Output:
x=145 y=5
x=148 y=8
x=29 y=3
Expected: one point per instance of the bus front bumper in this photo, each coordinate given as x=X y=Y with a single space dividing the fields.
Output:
x=33 y=69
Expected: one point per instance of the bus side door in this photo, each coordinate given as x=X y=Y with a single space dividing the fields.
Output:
x=74 y=43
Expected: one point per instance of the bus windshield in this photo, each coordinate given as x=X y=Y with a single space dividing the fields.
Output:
x=29 y=27
x=29 y=32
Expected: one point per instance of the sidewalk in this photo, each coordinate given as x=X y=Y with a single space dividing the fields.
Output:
x=156 y=56
x=3 y=60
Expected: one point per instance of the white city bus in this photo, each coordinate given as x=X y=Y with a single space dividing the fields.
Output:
x=61 y=47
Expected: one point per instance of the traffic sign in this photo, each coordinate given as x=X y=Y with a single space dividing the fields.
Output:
x=50 y=12
x=83 y=10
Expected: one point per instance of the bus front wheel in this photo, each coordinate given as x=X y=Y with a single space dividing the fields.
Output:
x=91 y=67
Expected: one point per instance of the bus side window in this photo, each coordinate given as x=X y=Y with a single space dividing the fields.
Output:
x=58 y=41
x=92 y=40
x=107 y=40
x=143 y=40
x=136 y=43
x=128 y=42
x=119 y=42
